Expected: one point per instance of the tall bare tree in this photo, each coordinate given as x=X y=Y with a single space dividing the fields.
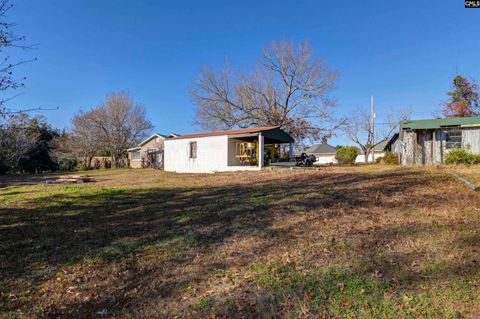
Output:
x=9 y=40
x=289 y=87
x=359 y=128
x=120 y=122
x=16 y=139
x=84 y=140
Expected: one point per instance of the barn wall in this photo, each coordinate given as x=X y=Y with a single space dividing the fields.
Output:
x=423 y=147
x=439 y=147
x=426 y=145
x=471 y=140
x=410 y=139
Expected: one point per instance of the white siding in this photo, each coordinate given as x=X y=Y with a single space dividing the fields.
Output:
x=361 y=157
x=323 y=160
x=212 y=156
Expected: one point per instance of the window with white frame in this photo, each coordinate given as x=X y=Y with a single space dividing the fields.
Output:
x=193 y=150
x=136 y=155
x=453 y=139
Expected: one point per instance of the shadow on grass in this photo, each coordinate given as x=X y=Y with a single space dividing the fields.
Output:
x=161 y=239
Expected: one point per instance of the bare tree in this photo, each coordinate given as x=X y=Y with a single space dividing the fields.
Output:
x=16 y=139
x=8 y=40
x=359 y=128
x=120 y=123
x=84 y=140
x=289 y=87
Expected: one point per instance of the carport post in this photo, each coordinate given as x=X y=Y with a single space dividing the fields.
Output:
x=261 y=149
x=290 y=152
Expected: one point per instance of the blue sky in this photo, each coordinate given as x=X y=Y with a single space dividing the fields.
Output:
x=404 y=52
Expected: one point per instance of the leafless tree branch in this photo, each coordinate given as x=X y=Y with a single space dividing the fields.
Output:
x=289 y=87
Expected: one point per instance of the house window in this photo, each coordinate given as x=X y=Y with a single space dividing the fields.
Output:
x=136 y=156
x=193 y=150
x=453 y=139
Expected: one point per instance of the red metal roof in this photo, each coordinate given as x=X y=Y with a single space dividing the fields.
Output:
x=231 y=132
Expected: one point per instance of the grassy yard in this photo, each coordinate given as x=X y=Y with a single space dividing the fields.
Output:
x=363 y=242
x=472 y=174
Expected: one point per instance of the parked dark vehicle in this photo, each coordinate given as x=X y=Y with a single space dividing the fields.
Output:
x=305 y=160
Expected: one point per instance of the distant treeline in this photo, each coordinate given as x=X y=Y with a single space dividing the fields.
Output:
x=28 y=144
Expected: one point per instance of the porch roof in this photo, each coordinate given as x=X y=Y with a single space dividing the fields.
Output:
x=272 y=134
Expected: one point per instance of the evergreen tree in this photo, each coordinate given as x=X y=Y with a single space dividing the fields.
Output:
x=464 y=100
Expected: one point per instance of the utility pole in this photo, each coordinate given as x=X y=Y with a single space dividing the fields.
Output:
x=373 y=131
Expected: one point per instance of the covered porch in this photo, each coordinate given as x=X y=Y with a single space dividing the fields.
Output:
x=255 y=150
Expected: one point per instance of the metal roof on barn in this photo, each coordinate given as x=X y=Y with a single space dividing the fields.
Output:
x=440 y=123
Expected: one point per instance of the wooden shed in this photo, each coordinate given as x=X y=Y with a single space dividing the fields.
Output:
x=428 y=141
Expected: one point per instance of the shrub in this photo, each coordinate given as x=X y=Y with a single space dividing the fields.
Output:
x=346 y=155
x=390 y=158
x=96 y=164
x=106 y=163
x=462 y=156
x=67 y=164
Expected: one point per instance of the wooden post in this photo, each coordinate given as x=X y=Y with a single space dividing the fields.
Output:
x=373 y=131
x=261 y=150
x=466 y=182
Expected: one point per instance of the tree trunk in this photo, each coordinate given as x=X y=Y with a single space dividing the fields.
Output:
x=114 y=160
x=88 y=164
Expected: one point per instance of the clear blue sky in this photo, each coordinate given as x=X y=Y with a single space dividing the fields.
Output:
x=404 y=52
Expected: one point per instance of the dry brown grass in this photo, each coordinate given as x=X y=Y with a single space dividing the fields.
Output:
x=470 y=173
x=368 y=242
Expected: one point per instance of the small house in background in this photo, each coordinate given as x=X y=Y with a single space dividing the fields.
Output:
x=429 y=141
x=234 y=150
x=148 y=153
x=324 y=153
x=377 y=152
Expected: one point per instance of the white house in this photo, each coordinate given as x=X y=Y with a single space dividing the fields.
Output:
x=377 y=152
x=235 y=150
x=324 y=154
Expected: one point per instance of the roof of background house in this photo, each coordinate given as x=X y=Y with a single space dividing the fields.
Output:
x=152 y=136
x=380 y=147
x=440 y=123
x=273 y=132
x=323 y=148
x=171 y=135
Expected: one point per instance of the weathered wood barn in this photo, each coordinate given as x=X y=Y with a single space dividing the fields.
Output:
x=428 y=141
